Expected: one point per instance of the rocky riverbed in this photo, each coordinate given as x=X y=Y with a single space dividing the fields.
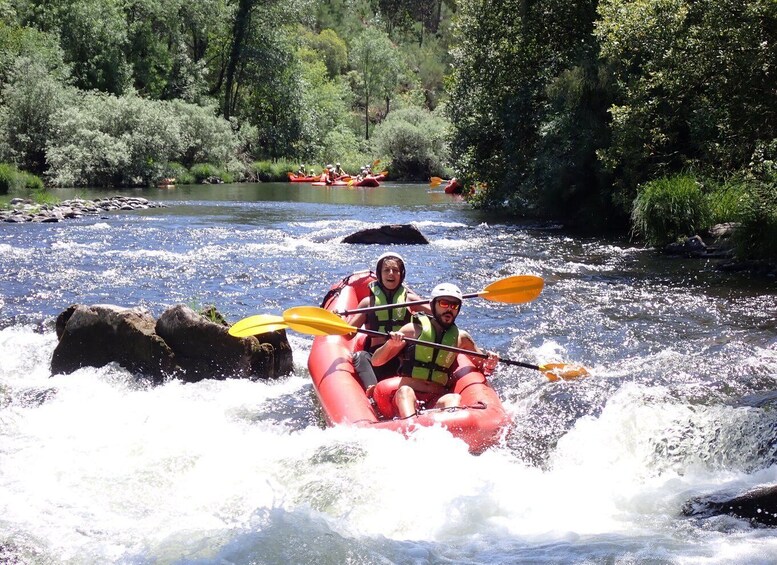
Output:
x=22 y=210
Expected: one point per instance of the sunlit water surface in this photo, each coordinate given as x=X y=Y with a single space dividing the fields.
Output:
x=96 y=467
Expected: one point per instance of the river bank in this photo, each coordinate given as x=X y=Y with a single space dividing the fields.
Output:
x=23 y=210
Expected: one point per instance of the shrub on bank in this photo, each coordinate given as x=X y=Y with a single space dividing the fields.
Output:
x=203 y=171
x=180 y=173
x=12 y=180
x=272 y=171
x=669 y=208
x=756 y=235
x=725 y=200
x=414 y=139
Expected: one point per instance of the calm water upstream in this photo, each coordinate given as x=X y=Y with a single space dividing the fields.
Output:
x=96 y=468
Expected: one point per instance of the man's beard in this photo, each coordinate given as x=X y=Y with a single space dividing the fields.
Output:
x=445 y=325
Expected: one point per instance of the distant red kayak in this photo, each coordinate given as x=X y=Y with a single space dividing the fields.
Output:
x=302 y=178
x=453 y=186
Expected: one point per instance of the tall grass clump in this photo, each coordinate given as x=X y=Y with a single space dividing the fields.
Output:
x=203 y=171
x=273 y=171
x=14 y=180
x=179 y=172
x=668 y=208
x=756 y=235
x=725 y=200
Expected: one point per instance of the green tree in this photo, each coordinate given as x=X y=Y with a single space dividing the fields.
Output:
x=377 y=64
x=93 y=36
x=30 y=97
x=510 y=58
x=696 y=85
x=332 y=49
x=414 y=139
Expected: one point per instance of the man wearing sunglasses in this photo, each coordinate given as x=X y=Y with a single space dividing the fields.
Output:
x=427 y=370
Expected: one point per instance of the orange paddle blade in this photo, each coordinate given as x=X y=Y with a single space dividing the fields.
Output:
x=513 y=290
x=558 y=371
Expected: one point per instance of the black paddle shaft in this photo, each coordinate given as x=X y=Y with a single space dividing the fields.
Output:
x=451 y=348
x=398 y=305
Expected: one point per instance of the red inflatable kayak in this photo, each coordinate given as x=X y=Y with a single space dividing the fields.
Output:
x=301 y=178
x=480 y=421
x=453 y=186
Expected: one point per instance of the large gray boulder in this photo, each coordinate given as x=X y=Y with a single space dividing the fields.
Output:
x=204 y=348
x=93 y=336
x=388 y=235
x=181 y=344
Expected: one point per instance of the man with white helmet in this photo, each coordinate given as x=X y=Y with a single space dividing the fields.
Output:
x=428 y=370
x=389 y=288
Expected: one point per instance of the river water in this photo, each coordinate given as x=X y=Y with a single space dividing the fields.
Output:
x=98 y=468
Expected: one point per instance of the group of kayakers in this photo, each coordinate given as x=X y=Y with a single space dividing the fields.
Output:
x=332 y=173
x=426 y=371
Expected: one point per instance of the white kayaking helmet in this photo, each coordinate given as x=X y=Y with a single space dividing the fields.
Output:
x=391 y=255
x=447 y=290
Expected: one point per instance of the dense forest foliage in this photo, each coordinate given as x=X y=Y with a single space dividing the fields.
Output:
x=657 y=117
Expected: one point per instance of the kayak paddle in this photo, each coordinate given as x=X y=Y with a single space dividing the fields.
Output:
x=318 y=321
x=516 y=289
x=259 y=324
x=436 y=181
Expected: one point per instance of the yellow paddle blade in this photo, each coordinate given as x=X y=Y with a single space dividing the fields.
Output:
x=316 y=321
x=435 y=181
x=255 y=325
x=384 y=173
x=376 y=162
x=556 y=371
x=514 y=290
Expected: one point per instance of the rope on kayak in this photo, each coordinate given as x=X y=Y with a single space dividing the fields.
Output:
x=479 y=405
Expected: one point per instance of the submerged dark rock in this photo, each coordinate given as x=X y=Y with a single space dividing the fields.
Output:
x=388 y=235
x=759 y=506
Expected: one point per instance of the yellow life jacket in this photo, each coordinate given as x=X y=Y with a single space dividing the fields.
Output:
x=390 y=319
x=430 y=363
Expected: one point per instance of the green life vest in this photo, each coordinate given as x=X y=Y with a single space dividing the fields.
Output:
x=430 y=363
x=390 y=319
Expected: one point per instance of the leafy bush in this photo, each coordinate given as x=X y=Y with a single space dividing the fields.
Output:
x=180 y=173
x=14 y=180
x=725 y=201
x=31 y=181
x=105 y=140
x=273 y=171
x=32 y=97
x=202 y=171
x=668 y=208
x=9 y=178
x=414 y=140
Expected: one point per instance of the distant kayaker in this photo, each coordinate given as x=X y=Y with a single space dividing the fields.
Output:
x=389 y=288
x=330 y=174
x=427 y=371
x=339 y=172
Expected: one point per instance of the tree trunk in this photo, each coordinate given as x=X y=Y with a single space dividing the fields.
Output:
x=367 y=115
x=239 y=33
